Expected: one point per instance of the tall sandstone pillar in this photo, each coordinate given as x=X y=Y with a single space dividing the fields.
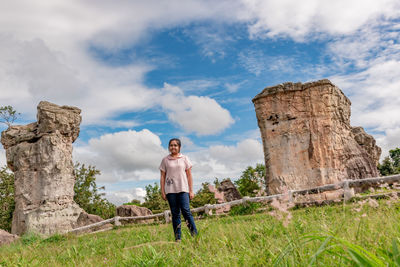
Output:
x=307 y=137
x=40 y=155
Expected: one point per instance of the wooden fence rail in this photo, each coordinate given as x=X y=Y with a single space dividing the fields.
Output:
x=346 y=185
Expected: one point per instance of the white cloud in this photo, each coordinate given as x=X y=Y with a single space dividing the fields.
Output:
x=370 y=45
x=197 y=86
x=374 y=87
x=300 y=19
x=30 y=71
x=44 y=52
x=375 y=100
x=120 y=123
x=256 y=62
x=390 y=140
x=44 y=47
x=135 y=156
x=125 y=155
x=226 y=161
x=120 y=197
x=188 y=144
x=234 y=87
x=199 y=114
x=248 y=150
x=212 y=39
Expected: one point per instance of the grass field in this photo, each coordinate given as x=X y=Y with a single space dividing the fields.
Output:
x=339 y=235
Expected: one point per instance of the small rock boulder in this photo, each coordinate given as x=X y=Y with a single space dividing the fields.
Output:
x=229 y=190
x=133 y=211
x=87 y=219
x=6 y=237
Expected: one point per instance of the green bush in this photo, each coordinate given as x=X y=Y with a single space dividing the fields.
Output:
x=87 y=194
x=203 y=196
x=134 y=202
x=390 y=165
x=244 y=209
x=7 y=203
x=251 y=181
x=153 y=199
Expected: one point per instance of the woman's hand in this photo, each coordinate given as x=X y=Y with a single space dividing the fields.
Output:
x=191 y=195
x=162 y=184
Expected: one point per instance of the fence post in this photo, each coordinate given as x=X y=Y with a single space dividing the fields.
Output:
x=290 y=193
x=348 y=192
x=166 y=216
x=208 y=209
x=116 y=221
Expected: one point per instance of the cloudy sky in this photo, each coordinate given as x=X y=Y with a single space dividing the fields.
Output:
x=146 y=71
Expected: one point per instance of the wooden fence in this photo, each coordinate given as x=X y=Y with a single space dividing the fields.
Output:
x=346 y=185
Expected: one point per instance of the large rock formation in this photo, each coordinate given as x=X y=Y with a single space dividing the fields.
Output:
x=307 y=137
x=40 y=155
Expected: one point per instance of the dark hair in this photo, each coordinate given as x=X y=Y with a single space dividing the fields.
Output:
x=177 y=140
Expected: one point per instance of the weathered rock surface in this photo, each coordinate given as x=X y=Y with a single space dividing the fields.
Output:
x=40 y=155
x=132 y=211
x=307 y=137
x=86 y=219
x=229 y=190
x=219 y=196
x=368 y=143
x=6 y=237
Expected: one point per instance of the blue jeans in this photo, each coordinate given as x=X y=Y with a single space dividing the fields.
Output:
x=180 y=202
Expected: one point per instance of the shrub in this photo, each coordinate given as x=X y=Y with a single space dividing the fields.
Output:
x=87 y=194
x=203 y=196
x=7 y=203
x=244 y=209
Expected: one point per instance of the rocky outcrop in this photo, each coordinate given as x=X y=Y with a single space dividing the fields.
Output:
x=307 y=137
x=229 y=190
x=40 y=155
x=6 y=237
x=133 y=211
x=368 y=143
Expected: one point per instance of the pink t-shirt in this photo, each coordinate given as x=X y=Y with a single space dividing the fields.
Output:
x=175 y=169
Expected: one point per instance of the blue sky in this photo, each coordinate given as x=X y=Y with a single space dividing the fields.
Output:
x=146 y=71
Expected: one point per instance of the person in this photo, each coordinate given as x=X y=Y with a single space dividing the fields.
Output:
x=177 y=187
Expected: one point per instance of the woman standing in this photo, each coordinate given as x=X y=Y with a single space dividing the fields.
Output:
x=177 y=187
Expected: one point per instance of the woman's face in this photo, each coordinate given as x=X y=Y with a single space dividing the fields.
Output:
x=174 y=147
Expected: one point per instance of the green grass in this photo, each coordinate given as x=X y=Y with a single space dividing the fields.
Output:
x=316 y=236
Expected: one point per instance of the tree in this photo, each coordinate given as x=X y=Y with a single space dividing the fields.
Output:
x=391 y=164
x=153 y=199
x=87 y=194
x=8 y=115
x=203 y=196
x=7 y=203
x=252 y=181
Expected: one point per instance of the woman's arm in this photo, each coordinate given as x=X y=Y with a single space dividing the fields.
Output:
x=162 y=184
x=190 y=182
